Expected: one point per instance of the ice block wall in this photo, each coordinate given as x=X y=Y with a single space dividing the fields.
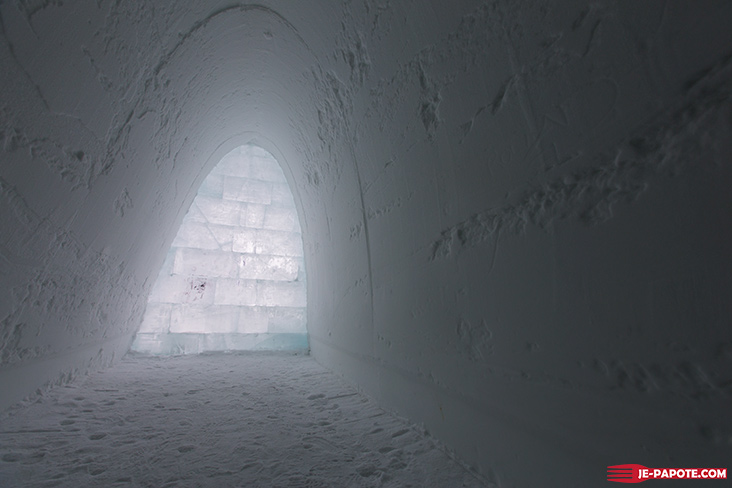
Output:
x=234 y=278
x=515 y=214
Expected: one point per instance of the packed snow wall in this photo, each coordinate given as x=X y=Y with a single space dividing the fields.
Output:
x=514 y=214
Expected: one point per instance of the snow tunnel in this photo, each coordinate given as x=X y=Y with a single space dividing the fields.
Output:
x=515 y=215
x=234 y=277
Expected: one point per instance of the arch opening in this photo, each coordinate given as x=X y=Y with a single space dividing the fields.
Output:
x=234 y=277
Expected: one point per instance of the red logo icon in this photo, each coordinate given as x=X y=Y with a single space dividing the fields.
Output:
x=625 y=473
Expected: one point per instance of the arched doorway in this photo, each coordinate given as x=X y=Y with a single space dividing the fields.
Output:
x=234 y=278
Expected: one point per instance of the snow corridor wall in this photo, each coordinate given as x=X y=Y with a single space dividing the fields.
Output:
x=515 y=214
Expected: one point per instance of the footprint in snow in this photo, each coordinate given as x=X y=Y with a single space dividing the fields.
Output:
x=11 y=457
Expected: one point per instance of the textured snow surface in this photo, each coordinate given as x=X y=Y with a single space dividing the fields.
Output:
x=248 y=419
x=515 y=214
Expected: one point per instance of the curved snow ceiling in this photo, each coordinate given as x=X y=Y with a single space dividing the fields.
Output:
x=244 y=75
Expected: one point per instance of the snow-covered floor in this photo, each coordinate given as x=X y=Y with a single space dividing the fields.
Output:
x=221 y=420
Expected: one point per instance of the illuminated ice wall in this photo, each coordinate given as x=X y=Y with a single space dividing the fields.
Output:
x=234 y=278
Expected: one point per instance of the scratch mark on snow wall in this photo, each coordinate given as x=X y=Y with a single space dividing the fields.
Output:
x=589 y=194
